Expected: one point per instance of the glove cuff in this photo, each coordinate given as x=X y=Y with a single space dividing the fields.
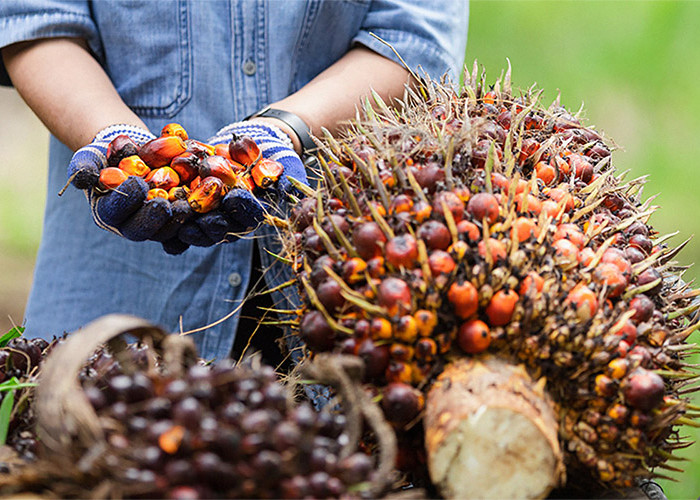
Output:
x=138 y=134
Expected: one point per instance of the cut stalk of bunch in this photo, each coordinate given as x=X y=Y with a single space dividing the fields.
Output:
x=482 y=223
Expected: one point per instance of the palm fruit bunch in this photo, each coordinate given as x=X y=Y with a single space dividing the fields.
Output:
x=224 y=430
x=481 y=221
x=190 y=179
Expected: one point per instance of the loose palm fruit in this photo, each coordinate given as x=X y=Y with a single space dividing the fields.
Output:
x=266 y=172
x=186 y=165
x=164 y=178
x=218 y=166
x=134 y=165
x=111 y=177
x=160 y=151
x=244 y=150
x=174 y=129
x=121 y=147
x=207 y=195
x=474 y=336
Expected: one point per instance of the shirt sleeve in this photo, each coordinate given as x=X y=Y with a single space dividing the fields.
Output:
x=24 y=20
x=430 y=36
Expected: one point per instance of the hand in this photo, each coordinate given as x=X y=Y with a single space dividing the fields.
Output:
x=124 y=210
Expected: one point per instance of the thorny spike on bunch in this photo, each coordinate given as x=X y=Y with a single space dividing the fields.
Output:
x=589 y=300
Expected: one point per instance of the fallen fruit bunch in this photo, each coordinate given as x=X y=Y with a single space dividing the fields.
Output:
x=184 y=182
x=140 y=421
x=483 y=222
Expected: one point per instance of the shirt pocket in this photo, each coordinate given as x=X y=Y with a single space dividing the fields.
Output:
x=148 y=53
x=327 y=32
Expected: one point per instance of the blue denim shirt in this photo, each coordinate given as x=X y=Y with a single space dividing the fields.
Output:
x=204 y=65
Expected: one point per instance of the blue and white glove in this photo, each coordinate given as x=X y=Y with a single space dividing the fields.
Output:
x=123 y=211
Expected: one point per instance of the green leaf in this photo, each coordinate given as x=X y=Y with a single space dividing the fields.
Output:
x=17 y=331
x=5 y=413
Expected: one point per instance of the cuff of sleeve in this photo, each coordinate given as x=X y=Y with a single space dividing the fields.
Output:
x=36 y=26
x=421 y=56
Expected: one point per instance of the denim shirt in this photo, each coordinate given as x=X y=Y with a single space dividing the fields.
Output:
x=204 y=65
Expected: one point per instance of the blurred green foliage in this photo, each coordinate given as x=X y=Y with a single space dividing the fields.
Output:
x=635 y=68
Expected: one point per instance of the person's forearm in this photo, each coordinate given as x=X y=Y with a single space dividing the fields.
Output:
x=66 y=88
x=332 y=97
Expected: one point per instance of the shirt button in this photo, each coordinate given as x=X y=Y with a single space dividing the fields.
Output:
x=234 y=279
x=249 y=67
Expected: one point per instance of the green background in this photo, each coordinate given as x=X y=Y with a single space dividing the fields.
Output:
x=635 y=67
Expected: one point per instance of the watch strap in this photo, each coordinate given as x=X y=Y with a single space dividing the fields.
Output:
x=300 y=128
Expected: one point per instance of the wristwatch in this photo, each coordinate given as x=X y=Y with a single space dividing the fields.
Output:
x=300 y=128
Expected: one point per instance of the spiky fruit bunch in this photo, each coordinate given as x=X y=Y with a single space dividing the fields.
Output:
x=484 y=222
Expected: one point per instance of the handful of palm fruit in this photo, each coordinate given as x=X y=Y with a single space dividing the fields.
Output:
x=464 y=224
x=179 y=168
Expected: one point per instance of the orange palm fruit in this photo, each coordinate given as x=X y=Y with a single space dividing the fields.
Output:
x=222 y=150
x=545 y=172
x=523 y=228
x=464 y=297
x=156 y=193
x=244 y=150
x=134 y=165
x=474 y=336
x=200 y=148
x=164 y=178
x=266 y=172
x=584 y=300
x=178 y=193
x=161 y=150
x=207 y=195
x=111 y=177
x=501 y=307
x=174 y=129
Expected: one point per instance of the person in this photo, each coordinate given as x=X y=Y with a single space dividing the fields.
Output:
x=84 y=66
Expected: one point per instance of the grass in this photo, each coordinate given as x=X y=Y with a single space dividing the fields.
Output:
x=634 y=68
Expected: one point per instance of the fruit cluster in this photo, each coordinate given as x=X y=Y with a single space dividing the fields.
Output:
x=193 y=178
x=485 y=222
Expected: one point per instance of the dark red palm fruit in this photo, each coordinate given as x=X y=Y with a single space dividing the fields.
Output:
x=368 y=240
x=355 y=468
x=218 y=166
x=644 y=389
x=329 y=295
x=640 y=356
x=122 y=146
x=341 y=224
x=435 y=235
x=429 y=175
x=244 y=150
x=318 y=268
x=401 y=403
x=453 y=203
x=303 y=213
x=529 y=148
x=441 y=262
x=375 y=357
x=394 y=294
x=402 y=250
x=641 y=242
x=483 y=206
x=473 y=336
x=634 y=254
x=501 y=307
x=581 y=167
x=643 y=308
x=316 y=332
x=649 y=276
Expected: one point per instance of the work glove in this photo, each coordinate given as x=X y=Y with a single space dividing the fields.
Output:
x=124 y=210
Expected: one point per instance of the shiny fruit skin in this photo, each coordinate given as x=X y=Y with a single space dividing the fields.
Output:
x=473 y=336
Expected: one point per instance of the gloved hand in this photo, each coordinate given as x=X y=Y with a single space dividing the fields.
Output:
x=123 y=211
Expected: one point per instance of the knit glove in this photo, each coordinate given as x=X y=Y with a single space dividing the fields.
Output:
x=124 y=210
